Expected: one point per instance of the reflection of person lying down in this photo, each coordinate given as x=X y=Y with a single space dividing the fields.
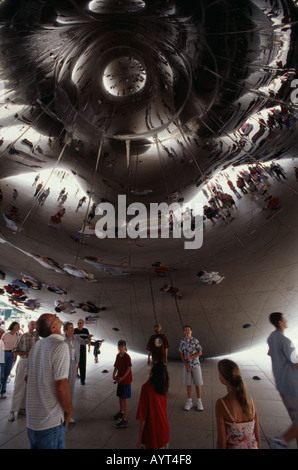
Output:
x=210 y=278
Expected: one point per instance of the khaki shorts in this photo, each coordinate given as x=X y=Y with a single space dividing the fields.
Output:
x=195 y=376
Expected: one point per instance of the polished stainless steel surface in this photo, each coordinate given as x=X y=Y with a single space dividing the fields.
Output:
x=149 y=100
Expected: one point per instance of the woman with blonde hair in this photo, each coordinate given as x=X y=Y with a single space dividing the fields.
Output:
x=236 y=415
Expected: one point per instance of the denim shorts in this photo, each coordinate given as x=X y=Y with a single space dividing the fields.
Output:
x=53 y=438
x=195 y=376
x=124 y=391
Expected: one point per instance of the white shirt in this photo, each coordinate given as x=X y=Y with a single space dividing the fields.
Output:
x=48 y=362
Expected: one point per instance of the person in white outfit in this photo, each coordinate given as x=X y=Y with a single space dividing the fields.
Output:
x=74 y=342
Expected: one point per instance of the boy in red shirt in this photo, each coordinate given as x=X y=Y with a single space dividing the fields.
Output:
x=123 y=377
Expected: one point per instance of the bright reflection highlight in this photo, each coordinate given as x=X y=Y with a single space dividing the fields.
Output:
x=259 y=354
x=55 y=179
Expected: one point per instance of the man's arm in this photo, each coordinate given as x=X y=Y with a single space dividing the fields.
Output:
x=197 y=354
x=63 y=395
x=184 y=362
x=124 y=375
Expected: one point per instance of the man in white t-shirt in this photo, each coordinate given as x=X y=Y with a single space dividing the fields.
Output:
x=48 y=401
x=285 y=370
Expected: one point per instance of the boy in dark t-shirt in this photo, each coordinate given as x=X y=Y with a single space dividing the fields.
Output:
x=157 y=346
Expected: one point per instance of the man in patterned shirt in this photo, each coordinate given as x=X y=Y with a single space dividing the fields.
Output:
x=22 y=349
x=190 y=351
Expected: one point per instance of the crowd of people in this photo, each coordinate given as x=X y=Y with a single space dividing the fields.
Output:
x=18 y=292
x=41 y=193
x=46 y=372
x=253 y=181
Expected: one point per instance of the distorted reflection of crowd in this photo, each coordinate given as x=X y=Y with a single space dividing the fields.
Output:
x=253 y=181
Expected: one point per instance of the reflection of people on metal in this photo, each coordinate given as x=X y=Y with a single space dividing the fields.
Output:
x=56 y=289
x=90 y=307
x=97 y=345
x=31 y=282
x=79 y=273
x=64 y=307
x=210 y=278
x=91 y=214
x=16 y=294
x=159 y=269
x=47 y=262
x=84 y=233
x=174 y=291
x=56 y=219
x=10 y=223
x=80 y=203
x=32 y=304
x=105 y=268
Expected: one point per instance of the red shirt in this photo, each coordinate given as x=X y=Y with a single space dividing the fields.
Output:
x=122 y=363
x=153 y=410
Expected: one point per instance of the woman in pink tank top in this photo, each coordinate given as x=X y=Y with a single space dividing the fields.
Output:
x=236 y=415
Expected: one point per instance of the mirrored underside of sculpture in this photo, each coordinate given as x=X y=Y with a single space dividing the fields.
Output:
x=151 y=102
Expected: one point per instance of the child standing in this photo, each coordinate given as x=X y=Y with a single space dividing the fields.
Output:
x=190 y=352
x=123 y=377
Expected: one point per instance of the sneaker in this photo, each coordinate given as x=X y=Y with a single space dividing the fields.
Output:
x=188 y=405
x=11 y=416
x=3 y=395
x=199 y=405
x=277 y=443
x=121 y=424
x=119 y=415
x=72 y=420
